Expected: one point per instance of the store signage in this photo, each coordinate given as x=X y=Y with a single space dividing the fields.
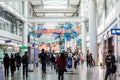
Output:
x=115 y=31
x=24 y=47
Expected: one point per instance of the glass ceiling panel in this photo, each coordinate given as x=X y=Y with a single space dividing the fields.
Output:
x=54 y=14
x=55 y=4
x=55 y=7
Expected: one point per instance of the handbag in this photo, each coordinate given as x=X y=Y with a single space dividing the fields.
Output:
x=62 y=69
x=65 y=70
x=81 y=58
x=114 y=68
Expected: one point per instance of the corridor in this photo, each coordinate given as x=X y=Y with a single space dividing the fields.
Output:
x=81 y=73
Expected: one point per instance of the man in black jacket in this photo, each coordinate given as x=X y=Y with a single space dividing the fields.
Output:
x=25 y=64
x=52 y=60
x=6 y=62
x=18 y=61
x=110 y=61
x=43 y=57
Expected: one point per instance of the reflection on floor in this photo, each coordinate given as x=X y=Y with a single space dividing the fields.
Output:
x=81 y=73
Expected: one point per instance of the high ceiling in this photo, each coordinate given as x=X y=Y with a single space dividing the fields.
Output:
x=55 y=8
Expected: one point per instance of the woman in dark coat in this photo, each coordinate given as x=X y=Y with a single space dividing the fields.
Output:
x=61 y=62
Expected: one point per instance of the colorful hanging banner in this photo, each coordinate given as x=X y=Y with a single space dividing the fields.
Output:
x=52 y=31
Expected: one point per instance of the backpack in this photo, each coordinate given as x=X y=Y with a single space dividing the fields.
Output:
x=69 y=63
x=23 y=60
x=43 y=56
x=114 y=68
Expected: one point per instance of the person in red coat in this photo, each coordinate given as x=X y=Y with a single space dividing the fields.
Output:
x=61 y=62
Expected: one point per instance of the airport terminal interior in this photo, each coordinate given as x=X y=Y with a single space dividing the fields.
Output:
x=86 y=32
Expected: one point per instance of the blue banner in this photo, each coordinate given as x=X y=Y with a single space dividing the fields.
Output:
x=115 y=31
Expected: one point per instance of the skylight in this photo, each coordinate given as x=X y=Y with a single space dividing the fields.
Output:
x=55 y=7
x=53 y=4
x=54 y=14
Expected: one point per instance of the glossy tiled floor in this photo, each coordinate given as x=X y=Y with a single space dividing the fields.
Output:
x=81 y=73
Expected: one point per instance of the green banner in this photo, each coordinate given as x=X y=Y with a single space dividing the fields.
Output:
x=23 y=47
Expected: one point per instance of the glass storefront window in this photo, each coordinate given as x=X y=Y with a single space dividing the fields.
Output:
x=16 y=5
x=21 y=31
x=1 y=55
x=8 y=21
x=22 y=8
x=1 y=26
x=1 y=52
x=5 y=25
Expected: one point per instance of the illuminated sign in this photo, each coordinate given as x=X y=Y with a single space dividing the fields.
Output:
x=115 y=31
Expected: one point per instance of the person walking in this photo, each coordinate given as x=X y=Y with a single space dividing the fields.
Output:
x=69 y=61
x=88 y=60
x=92 y=62
x=6 y=63
x=61 y=62
x=43 y=57
x=12 y=65
x=110 y=62
x=25 y=64
x=75 y=60
x=18 y=61
x=52 y=60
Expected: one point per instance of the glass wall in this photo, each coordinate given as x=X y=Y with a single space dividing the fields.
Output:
x=5 y=25
x=14 y=28
x=109 y=5
x=18 y=6
x=100 y=9
x=8 y=22
x=21 y=30
x=99 y=17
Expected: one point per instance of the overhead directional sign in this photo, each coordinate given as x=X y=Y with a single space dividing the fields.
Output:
x=115 y=31
x=23 y=47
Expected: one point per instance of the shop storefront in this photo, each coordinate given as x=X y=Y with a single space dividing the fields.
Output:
x=9 y=49
x=107 y=42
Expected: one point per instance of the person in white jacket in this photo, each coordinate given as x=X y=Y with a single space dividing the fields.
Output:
x=70 y=55
x=1 y=72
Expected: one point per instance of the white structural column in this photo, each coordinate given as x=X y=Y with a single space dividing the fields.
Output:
x=65 y=44
x=92 y=29
x=103 y=53
x=83 y=28
x=25 y=34
x=25 y=28
x=75 y=44
x=84 y=45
